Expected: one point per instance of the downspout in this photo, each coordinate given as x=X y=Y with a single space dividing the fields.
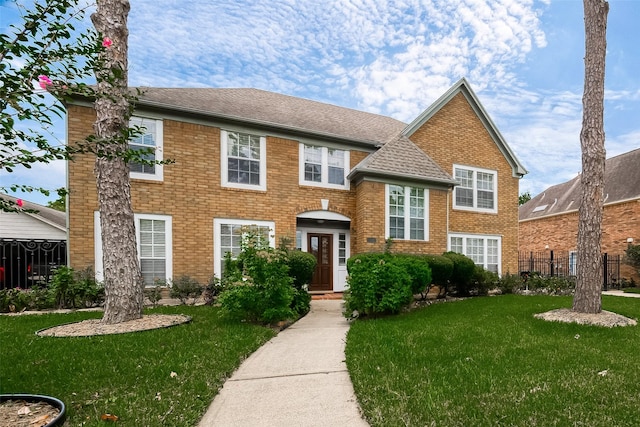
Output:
x=66 y=196
x=448 y=194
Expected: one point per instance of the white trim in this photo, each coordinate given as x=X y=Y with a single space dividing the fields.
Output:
x=407 y=212
x=217 y=251
x=324 y=215
x=485 y=237
x=475 y=171
x=224 y=163
x=168 y=235
x=158 y=174
x=325 y=168
x=339 y=271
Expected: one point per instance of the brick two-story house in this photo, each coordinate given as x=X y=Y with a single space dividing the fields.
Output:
x=549 y=221
x=335 y=181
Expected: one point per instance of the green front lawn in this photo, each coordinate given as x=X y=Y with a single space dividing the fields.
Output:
x=128 y=375
x=488 y=362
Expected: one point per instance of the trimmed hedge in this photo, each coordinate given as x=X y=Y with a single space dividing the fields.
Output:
x=301 y=267
x=441 y=269
x=463 y=272
x=382 y=283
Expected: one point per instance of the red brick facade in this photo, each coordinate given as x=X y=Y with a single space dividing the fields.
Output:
x=620 y=221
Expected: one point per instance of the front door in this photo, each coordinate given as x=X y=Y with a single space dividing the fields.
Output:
x=321 y=246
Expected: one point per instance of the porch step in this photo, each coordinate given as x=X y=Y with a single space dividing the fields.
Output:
x=327 y=296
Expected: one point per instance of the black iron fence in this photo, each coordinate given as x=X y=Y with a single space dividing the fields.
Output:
x=564 y=264
x=25 y=263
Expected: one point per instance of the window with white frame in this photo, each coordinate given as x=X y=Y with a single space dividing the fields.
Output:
x=476 y=189
x=244 y=160
x=150 y=139
x=407 y=212
x=230 y=233
x=342 y=249
x=154 y=243
x=573 y=263
x=483 y=250
x=324 y=166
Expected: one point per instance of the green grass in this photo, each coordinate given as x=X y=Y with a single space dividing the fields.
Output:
x=127 y=375
x=488 y=362
x=631 y=290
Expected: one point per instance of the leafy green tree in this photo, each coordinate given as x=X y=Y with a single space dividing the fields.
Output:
x=524 y=198
x=60 y=204
x=43 y=61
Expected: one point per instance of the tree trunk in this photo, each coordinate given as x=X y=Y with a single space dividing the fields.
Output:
x=124 y=287
x=589 y=279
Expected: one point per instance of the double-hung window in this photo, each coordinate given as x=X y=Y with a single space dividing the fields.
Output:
x=324 y=166
x=483 y=250
x=154 y=240
x=407 y=212
x=148 y=139
x=244 y=160
x=476 y=189
x=229 y=235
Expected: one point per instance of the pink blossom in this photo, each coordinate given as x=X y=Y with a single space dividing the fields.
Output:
x=106 y=42
x=44 y=81
x=19 y=202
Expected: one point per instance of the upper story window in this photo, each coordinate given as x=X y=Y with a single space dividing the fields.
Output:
x=324 y=166
x=150 y=138
x=407 y=213
x=476 y=189
x=244 y=160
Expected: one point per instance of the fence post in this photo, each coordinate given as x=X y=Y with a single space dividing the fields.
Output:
x=605 y=272
x=551 y=263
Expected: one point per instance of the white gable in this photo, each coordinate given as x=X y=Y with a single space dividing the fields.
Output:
x=26 y=227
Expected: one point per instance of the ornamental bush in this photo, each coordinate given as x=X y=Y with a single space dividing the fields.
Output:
x=463 y=271
x=301 y=267
x=258 y=288
x=377 y=284
x=186 y=289
x=418 y=269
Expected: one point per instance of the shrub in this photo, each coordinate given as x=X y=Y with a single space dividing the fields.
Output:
x=510 y=283
x=301 y=267
x=154 y=293
x=212 y=290
x=484 y=281
x=418 y=270
x=377 y=285
x=462 y=274
x=301 y=303
x=76 y=289
x=258 y=287
x=441 y=268
x=185 y=288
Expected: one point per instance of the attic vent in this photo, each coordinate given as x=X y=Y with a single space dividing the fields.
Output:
x=540 y=208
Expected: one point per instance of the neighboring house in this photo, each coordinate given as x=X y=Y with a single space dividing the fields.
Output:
x=335 y=181
x=31 y=244
x=549 y=221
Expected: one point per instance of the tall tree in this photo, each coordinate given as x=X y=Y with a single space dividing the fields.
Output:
x=587 y=298
x=124 y=286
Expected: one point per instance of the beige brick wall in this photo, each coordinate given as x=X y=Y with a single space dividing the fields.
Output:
x=191 y=192
x=560 y=232
x=455 y=135
x=192 y=195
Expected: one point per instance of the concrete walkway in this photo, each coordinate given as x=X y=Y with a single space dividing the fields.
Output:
x=298 y=378
x=618 y=293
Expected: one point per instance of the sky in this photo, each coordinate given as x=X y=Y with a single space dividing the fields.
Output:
x=523 y=59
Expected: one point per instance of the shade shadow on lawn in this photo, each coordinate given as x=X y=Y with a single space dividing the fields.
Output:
x=164 y=377
x=488 y=361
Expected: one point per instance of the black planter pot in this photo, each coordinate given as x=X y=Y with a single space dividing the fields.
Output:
x=32 y=398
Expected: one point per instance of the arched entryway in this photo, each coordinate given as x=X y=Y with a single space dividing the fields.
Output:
x=326 y=235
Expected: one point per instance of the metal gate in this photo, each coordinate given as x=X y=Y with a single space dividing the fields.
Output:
x=25 y=263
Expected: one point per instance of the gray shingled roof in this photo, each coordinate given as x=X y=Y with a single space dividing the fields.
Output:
x=272 y=109
x=401 y=158
x=45 y=214
x=622 y=182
